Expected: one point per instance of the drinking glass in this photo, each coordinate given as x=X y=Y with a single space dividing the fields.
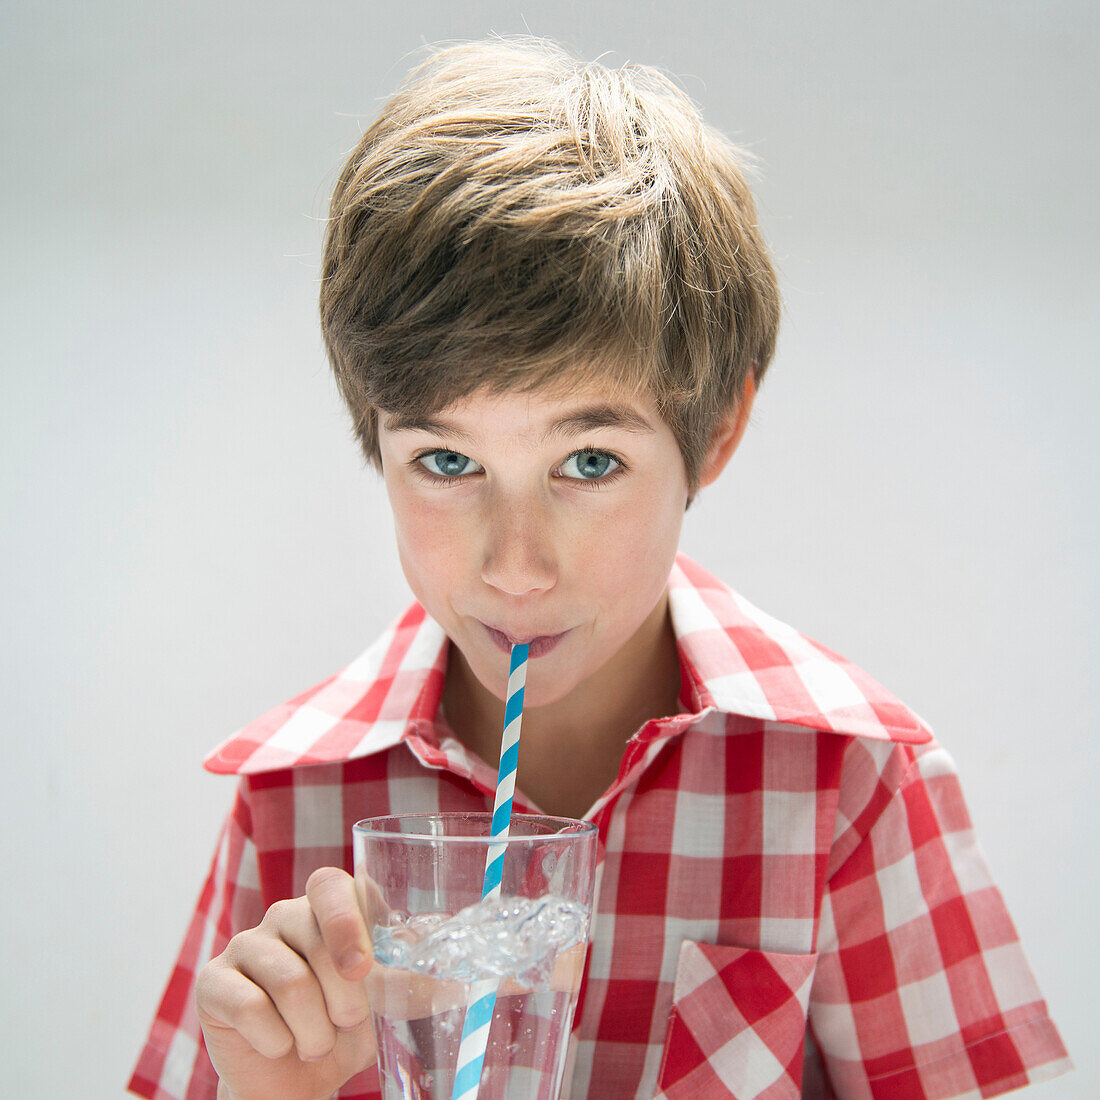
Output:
x=438 y=946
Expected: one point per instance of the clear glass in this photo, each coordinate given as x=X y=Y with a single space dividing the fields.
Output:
x=438 y=947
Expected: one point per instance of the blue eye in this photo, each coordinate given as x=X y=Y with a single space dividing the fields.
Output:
x=448 y=464
x=589 y=465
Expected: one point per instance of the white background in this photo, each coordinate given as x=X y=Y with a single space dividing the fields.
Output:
x=190 y=536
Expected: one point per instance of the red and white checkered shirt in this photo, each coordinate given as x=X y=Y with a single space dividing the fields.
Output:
x=787 y=865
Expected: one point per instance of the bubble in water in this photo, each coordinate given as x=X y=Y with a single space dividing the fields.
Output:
x=496 y=938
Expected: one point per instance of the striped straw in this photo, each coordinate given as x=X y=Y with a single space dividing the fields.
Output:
x=483 y=995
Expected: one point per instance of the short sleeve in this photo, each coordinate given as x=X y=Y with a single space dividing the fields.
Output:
x=922 y=990
x=174 y=1064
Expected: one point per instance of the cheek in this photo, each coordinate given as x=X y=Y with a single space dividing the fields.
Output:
x=628 y=553
x=430 y=541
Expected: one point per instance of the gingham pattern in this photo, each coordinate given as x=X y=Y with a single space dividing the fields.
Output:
x=748 y=1008
x=791 y=856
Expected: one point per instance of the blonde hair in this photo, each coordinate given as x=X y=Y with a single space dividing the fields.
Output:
x=516 y=217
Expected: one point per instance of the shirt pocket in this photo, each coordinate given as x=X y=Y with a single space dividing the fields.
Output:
x=737 y=1026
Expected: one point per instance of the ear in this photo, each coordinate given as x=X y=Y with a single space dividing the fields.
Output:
x=727 y=435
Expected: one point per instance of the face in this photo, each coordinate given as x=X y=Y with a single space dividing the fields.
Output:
x=545 y=518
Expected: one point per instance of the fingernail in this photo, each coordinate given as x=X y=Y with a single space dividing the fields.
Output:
x=351 y=959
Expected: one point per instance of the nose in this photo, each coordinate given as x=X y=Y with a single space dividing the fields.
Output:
x=519 y=557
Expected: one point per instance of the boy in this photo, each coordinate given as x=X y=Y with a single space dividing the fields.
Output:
x=549 y=308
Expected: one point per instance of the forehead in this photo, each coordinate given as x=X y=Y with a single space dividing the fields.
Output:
x=562 y=409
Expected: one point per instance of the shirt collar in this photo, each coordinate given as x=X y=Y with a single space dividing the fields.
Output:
x=744 y=661
x=739 y=661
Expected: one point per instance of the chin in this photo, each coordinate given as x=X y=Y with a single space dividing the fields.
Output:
x=537 y=691
x=535 y=695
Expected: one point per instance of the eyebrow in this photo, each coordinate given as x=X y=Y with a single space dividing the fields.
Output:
x=574 y=423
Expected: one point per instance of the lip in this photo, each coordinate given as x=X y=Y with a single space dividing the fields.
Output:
x=539 y=644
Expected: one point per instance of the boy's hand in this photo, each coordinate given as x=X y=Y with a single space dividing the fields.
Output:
x=283 y=1008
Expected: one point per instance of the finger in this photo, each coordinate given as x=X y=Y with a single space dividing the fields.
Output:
x=345 y=1000
x=226 y=1000
x=286 y=977
x=331 y=894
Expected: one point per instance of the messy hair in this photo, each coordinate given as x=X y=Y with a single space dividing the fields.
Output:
x=517 y=218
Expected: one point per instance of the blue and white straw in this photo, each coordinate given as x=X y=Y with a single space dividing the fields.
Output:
x=483 y=995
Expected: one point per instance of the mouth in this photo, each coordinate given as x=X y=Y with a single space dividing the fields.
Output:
x=540 y=644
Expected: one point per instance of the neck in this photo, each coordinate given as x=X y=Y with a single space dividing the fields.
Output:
x=588 y=728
